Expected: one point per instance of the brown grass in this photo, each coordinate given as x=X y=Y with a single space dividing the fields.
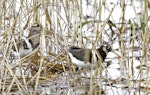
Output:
x=64 y=23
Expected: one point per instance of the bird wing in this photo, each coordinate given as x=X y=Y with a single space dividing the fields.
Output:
x=81 y=54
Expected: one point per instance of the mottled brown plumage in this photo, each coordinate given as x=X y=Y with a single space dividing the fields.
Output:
x=34 y=35
x=27 y=44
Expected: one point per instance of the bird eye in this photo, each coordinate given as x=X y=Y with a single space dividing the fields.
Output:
x=37 y=25
x=107 y=47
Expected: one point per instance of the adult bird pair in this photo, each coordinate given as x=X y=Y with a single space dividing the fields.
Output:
x=79 y=56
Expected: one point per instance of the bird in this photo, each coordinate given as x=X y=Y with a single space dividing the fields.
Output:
x=34 y=34
x=86 y=58
x=28 y=44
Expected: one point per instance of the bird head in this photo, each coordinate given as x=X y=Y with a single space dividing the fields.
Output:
x=35 y=28
x=104 y=49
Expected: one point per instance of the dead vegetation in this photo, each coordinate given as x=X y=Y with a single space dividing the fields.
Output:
x=65 y=23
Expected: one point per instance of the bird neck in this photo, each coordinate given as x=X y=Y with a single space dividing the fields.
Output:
x=102 y=53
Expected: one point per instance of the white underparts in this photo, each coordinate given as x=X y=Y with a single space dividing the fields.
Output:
x=23 y=52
